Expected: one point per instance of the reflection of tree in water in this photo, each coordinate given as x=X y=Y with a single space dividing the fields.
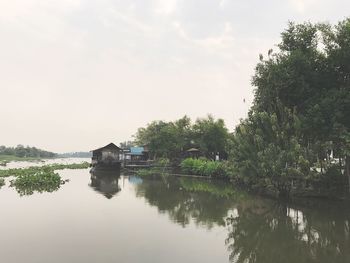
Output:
x=185 y=200
x=267 y=231
x=105 y=183
x=260 y=230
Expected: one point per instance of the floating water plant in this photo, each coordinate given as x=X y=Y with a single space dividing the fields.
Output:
x=42 y=181
x=2 y=182
x=34 y=169
x=38 y=178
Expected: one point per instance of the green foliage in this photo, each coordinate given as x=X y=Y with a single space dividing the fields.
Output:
x=42 y=181
x=203 y=167
x=2 y=182
x=38 y=178
x=165 y=139
x=301 y=110
x=25 y=152
x=37 y=169
x=266 y=151
x=210 y=135
x=172 y=139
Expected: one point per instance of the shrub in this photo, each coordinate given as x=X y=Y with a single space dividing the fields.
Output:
x=203 y=167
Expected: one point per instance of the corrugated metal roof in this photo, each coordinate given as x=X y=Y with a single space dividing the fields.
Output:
x=111 y=146
x=136 y=150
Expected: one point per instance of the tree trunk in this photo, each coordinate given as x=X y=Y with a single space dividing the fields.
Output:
x=347 y=168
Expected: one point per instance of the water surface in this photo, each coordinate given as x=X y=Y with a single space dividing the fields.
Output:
x=103 y=218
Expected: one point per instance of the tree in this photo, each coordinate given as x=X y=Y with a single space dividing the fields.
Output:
x=211 y=136
x=266 y=151
x=172 y=139
x=309 y=76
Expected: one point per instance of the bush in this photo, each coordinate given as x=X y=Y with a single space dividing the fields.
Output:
x=203 y=167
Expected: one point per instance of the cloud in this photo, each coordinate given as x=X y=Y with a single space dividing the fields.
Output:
x=221 y=44
x=128 y=19
x=301 y=6
x=165 y=7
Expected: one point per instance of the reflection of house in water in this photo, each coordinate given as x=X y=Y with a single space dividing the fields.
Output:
x=105 y=182
x=107 y=157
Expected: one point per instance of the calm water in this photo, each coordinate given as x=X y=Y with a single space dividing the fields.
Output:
x=102 y=218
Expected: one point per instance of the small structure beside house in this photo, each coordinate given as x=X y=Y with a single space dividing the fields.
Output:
x=136 y=157
x=136 y=154
x=193 y=153
x=107 y=157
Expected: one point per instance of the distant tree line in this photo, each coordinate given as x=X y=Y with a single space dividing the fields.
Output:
x=26 y=151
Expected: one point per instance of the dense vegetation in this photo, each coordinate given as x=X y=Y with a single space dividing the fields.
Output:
x=297 y=134
x=172 y=139
x=14 y=153
x=203 y=167
x=298 y=127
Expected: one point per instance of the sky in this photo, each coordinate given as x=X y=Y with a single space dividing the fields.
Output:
x=78 y=74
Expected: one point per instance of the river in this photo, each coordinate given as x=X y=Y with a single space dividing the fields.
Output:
x=102 y=218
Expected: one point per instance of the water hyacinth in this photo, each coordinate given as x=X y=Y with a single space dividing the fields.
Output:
x=42 y=181
x=2 y=182
x=34 y=169
x=38 y=178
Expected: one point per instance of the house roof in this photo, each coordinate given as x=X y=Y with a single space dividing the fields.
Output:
x=193 y=150
x=110 y=146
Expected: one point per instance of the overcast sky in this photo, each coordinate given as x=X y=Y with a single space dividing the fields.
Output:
x=78 y=74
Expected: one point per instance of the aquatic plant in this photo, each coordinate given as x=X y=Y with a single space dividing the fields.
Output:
x=35 y=169
x=42 y=181
x=38 y=178
x=2 y=182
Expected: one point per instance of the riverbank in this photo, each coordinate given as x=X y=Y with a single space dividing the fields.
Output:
x=314 y=191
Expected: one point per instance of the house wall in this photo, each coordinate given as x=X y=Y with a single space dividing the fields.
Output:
x=109 y=157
